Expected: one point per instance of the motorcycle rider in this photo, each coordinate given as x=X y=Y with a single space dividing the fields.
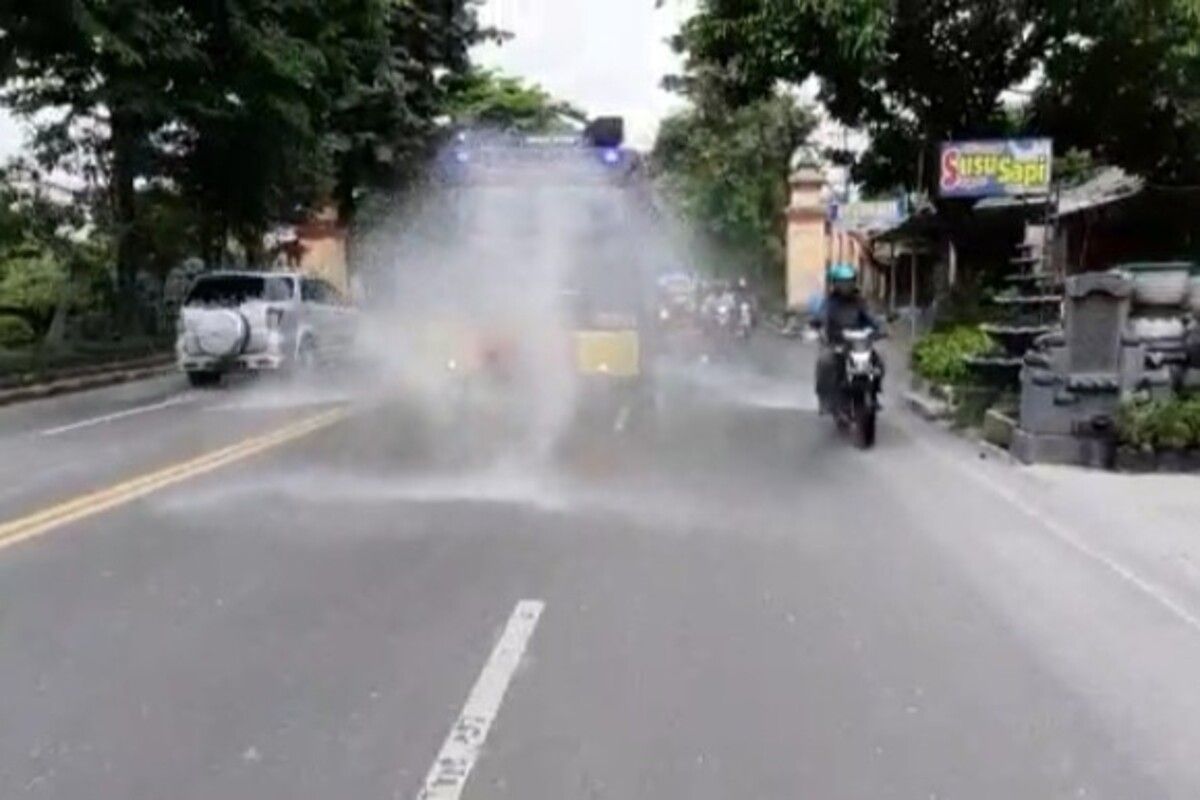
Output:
x=742 y=294
x=708 y=304
x=843 y=308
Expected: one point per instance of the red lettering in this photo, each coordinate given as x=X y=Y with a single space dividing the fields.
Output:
x=949 y=169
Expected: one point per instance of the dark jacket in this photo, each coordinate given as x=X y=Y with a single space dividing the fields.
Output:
x=842 y=312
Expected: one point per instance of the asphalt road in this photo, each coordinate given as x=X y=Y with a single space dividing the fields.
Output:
x=713 y=598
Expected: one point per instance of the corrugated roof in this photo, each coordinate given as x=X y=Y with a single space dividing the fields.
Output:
x=1110 y=185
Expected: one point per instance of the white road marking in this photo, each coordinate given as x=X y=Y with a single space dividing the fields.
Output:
x=622 y=420
x=448 y=775
x=1064 y=534
x=129 y=412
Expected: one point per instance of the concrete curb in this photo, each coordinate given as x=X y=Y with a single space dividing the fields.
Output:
x=130 y=371
x=994 y=451
x=926 y=407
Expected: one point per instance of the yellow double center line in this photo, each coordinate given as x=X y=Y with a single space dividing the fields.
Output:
x=35 y=524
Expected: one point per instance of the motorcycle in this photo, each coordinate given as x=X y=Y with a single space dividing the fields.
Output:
x=861 y=385
x=675 y=313
x=723 y=314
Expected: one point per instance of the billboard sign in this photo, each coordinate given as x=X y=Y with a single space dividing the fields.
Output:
x=867 y=216
x=996 y=168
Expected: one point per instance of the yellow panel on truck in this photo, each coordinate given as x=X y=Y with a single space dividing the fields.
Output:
x=612 y=353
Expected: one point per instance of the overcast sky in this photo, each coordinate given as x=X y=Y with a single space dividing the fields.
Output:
x=607 y=57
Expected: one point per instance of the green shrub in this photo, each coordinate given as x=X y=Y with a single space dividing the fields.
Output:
x=940 y=357
x=1131 y=424
x=31 y=279
x=964 y=305
x=15 y=332
x=1160 y=425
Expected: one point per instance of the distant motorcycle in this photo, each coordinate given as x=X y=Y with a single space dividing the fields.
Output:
x=723 y=313
x=675 y=313
x=676 y=302
x=861 y=385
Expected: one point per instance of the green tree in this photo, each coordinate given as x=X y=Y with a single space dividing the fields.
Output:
x=38 y=257
x=727 y=171
x=318 y=102
x=249 y=134
x=909 y=73
x=107 y=69
x=432 y=42
x=255 y=110
x=31 y=282
x=1126 y=87
x=487 y=98
x=1119 y=79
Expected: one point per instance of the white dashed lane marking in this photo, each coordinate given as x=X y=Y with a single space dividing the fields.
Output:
x=180 y=400
x=452 y=767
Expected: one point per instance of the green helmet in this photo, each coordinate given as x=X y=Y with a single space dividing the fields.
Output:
x=843 y=273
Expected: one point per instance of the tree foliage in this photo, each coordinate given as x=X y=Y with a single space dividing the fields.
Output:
x=486 y=98
x=38 y=257
x=1116 y=76
x=727 y=170
x=105 y=73
x=252 y=110
x=1126 y=87
x=907 y=72
x=248 y=144
x=31 y=280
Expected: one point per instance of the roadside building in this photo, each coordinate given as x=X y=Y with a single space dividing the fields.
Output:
x=967 y=247
x=1109 y=219
x=316 y=247
x=852 y=229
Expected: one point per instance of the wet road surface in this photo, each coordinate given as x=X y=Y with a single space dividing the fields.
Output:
x=713 y=596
